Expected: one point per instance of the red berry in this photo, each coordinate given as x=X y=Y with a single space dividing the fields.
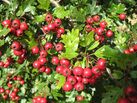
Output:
x=43 y=53
x=87 y=73
x=5 y=96
x=79 y=98
x=35 y=50
x=78 y=78
x=71 y=79
x=123 y=100
x=13 y=94
x=17 y=98
x=16 y=45
x=131 y=50
x=101 y=63
x=60 y=31
x=78 y=71
x=12 y=30
x=46 y=29
x=22 y=82
x=43 y=100
x=55 y=60
x=59 y=47
x=51 y=26
x=2 y=90
x=95 y=70
x=1 y=63
x=16 y=90
x=79 y=86
x=19 y=32
x=67 y=87
x=122 y=16
x=6 y=23
x=89 y=20
x=88 y=28
x=127 y=51
x=99 y=31
x=48 y=46
x=57 y=22
x=19 y=78
x=42 y=60
x=18 y=52
x=16 y=23
x=103 y=24
x=96 y=18
x=85 y=80
x=36 y=64
x=109 y=33
x=66 y=72
x=135 y=47
x=59 y=69
x=48 y=71
x=130 y=90
x=42 y=69
x=65 y=62
x=9 y=85
x=23 y=26
x=48 y=18
x=7 y=91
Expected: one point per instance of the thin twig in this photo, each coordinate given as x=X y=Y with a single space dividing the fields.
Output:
x=55 y=3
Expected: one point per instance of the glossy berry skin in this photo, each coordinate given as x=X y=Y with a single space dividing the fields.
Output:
x=101 y=63
x=59 y=47
x=123 y=100
x=6 y=23
x=46 y=29
x=55 y=60
x=51 y=26
x=67 y=87
x=78 y=78
x=127 y=51
x=2 y=90
x=7 y=91
x=59 y=69
x=99 y=31
x=95 y=70
x=78 y=71
x=131 y=50
x=96 y=18
x=48 y=71
x=79 y=98
x=48 y=46
x=23 y=26
x=5 y=96
x=135 y=47
x=65 y=62
x=87 y=73
x=130 y=90
x=103 y=24
x=22 y=82
x=122 y=16
x=35 y=50
x=85 y=80
x=16 y=23
x=43 y=53
x=109 y=33
x=49 y=18
x=66 y=72
x=57 y=22
x=18 y=52
x=1 y=63
x=71 y=79
x=42 y=60
x=19 y=32
x=16 y=45
x=88 y=28
x=42 y=69
x=60 y=31
x=79 y=86
x=36 y=64
x=89 y=20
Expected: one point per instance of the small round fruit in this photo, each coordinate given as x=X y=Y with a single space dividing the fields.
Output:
x=88 y=28
x=35 y=50
x=46 y=29
x=48 y=46
x=42 y=69
x=43 y=53
x=95 y=70
x=18 y=52
x=85 y=80
x=135 y=47
x=2 y=90
x=78 y=71
x=42 y=60
x=131 y=50
x=48 y=71
x=6 y=23
x=59 y=47
x=16 y=45
x=65 y=62
x=57 y=22
x=22 y=82
x=16 y=23
x=122 y=16
x=36 y=64
x=78 y=78
x=101 y=63
x=51 y=26
x=19 y=32
x=130 y=90
x=123 y=100
x=96 y=18
x=127 y=51
x=79 y=98
x=66 y=72
x=89 y=20
x=60 y=31
x=55 y=60
x=87 y=73
x=103 y=24
x=59 y=69
x=71 y=79
x=99 y=31
x=79 y=86
x=109 y=33
x=67 y=87
x=48 y=18
x=23 y=26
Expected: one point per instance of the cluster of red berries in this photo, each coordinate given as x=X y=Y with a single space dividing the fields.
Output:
x=19 y=51
x=16 y=26
x=53 y=25
x=39 y=100
x=131 y=50
x=78 y=77
x=98 y=27
x=12 y=92
x=7 y=63
x=42 y=60
x=130 y=94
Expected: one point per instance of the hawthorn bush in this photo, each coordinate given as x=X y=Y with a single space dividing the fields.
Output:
x=68 y=51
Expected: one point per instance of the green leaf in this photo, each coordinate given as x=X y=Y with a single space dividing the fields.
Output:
x=4 y=32
x=56 y=94
x=2 y=42
x=87 y=39
x=94 y=45
x=117 y=74
x=133 y=74
x=39 y=18
x=44 y=4
x=60 y=12
x=61 y=81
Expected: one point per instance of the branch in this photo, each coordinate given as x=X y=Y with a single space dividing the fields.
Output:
x=6 y=1
x=55 y=3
